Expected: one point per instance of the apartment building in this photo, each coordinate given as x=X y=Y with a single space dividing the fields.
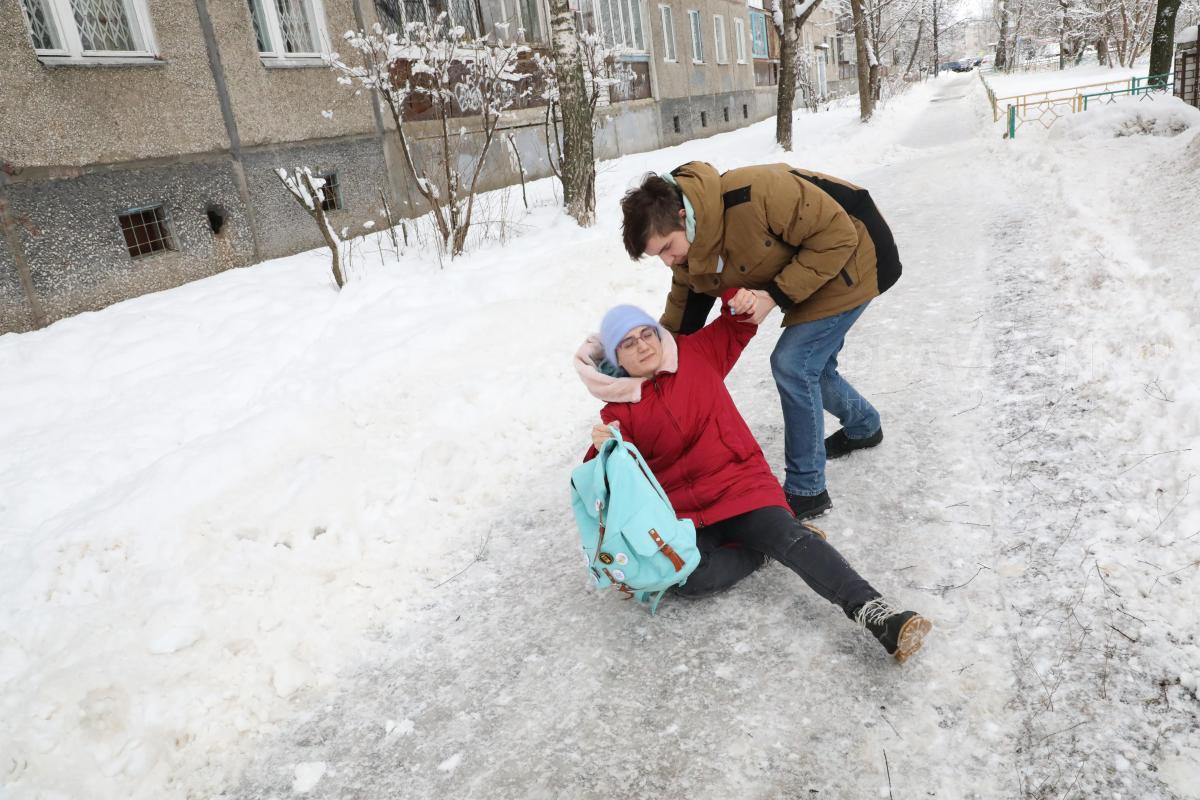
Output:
x=139 y=141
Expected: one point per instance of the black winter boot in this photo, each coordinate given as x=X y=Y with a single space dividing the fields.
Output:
x=808 y=507
x=900 y=632
x=839 y=444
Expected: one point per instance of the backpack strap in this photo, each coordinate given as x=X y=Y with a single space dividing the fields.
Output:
x=630 y=448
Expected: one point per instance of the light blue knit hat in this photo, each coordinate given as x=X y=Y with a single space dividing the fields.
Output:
x=618 y=322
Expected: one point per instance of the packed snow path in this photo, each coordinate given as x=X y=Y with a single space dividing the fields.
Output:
x=517 y=682
x=261 y=538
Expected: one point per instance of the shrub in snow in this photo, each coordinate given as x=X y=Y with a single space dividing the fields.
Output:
x=435 y=67
x=309 y=192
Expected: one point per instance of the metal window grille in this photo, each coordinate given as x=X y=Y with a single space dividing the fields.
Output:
x=296 y=26
x=103 y=25
x=147 y=230
x=668 y=23
x=331 y=192
x=41 y=25
x=394 y=14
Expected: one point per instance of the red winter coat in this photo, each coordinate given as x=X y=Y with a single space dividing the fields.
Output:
x=691 y=434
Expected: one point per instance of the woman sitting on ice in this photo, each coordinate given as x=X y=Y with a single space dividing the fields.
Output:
x=669 y=399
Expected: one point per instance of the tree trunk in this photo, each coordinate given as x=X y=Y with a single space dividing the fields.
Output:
x=937 y=41
x=578 y=161
x=866 y=101
x=790 y=40
x=1162 y=43
x=1102 y=51
x=916 y=47
x=1002 y=39
x=1062 y=35
x=786 y=94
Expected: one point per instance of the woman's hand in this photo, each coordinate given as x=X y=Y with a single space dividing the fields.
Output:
x=755 y=302
x=601 y=434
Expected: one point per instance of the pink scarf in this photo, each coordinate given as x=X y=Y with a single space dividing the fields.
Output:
x=618 y=390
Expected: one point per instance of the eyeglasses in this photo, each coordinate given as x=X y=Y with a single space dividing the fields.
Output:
x=648 y=334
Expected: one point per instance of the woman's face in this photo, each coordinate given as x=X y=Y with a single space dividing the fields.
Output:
x=640 y=353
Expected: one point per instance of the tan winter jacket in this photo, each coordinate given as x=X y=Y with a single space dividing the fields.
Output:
x=816 y=243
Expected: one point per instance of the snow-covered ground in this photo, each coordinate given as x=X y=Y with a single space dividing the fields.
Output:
x=261 y=539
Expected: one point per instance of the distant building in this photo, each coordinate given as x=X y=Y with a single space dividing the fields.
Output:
x=139 y=139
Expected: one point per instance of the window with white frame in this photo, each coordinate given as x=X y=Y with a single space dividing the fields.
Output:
x=758 y=35
x=618 y=22
x=719 y=38
x=84 y=29
x=668 y=24
x=697 y=38
x=739 y=40
x=289 y=28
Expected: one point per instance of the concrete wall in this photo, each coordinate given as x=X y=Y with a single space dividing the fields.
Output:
x=284 y=104
x=65 y=116
x=76 y=252
x=283 y=227
x=682 y=78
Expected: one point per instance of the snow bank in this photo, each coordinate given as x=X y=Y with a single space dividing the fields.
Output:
x=1154 y=115
x=1187 y=35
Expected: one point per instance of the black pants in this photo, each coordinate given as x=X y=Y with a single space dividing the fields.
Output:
x=733 y=548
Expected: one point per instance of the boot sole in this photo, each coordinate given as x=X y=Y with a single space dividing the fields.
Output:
x=815 y=512
x=843 y=453
x=912 y=636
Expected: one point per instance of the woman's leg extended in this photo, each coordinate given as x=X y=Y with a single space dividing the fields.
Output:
x=721 y=566
x=776 y=533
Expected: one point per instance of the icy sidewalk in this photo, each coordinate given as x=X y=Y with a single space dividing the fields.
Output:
x=541 y=689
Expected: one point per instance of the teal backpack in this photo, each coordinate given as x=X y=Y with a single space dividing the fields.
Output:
x=632 y=539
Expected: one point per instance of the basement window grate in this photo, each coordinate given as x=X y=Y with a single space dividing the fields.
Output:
x=147 y=230
x=332 y=191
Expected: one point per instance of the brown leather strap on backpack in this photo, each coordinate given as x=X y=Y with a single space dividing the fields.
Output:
x=667 y=550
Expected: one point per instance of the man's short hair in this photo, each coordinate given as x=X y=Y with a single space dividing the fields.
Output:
x=651 y=209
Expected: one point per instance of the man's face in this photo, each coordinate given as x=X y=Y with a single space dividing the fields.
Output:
x=671 y=247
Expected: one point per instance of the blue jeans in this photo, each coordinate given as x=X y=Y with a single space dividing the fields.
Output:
x=805 y=367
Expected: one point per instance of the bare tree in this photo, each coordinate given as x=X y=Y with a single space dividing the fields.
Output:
x=602 y=69
x=1163 y=40
x=436 y=67
x=578 y=167
x=866 y=100
x=309 y=192
x=790 y=17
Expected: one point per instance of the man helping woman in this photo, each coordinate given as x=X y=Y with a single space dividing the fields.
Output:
x=668 y=397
